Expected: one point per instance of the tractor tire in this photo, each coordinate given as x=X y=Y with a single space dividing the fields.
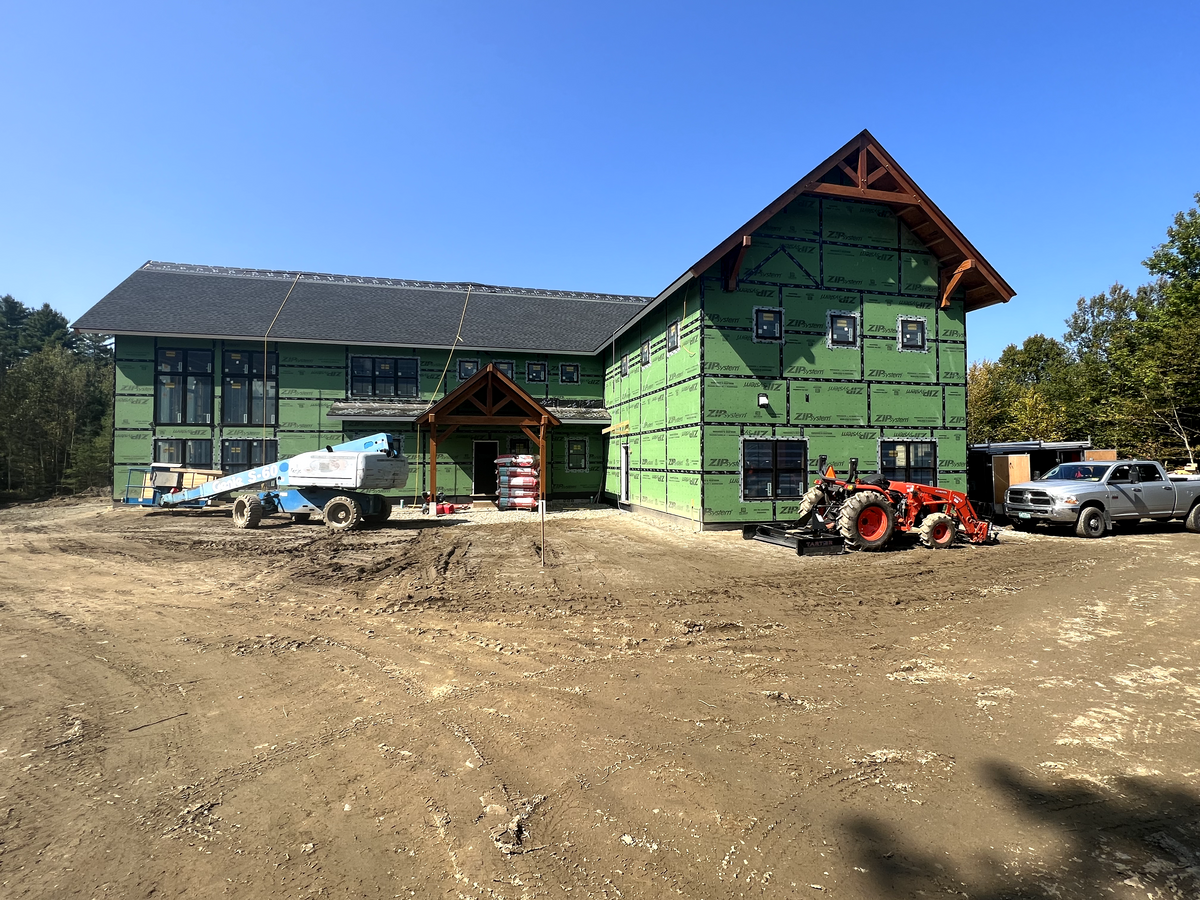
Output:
x=867 y=521
x=247 y=511
x=382 y=514
x=938 y=531
x=813 y=498
x=1091 y=523
x=342 y=514
x=1192 y=522
x=300 y=518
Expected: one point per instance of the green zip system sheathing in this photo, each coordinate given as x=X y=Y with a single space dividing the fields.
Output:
x=311 y=377
x=688 y=412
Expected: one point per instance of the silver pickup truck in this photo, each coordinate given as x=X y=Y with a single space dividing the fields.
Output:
x=1093 y=495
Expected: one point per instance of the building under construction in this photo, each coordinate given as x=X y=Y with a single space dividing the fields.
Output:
x=832 y=323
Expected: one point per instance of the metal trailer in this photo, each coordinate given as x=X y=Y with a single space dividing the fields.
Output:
x=329 y=482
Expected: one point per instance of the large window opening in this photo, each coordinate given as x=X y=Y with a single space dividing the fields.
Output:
x=183 y=391
x=914 y=461
x=774 y=469
x=249 y=392
x=384 y=376
x=238 y=456
x=192 y=453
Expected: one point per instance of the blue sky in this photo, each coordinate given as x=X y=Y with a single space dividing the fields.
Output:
x=598 y=147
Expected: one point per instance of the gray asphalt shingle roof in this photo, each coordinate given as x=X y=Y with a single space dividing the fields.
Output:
x=185 y=300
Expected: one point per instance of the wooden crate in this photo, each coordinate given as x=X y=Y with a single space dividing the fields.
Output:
x=1007 y=471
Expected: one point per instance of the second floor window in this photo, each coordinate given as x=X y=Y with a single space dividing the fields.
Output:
x=183 y=387
x=506 y=367
x=535 y=372
x=467 y=368
x=249 y=391
x=645 y=353
x=384 y=376
x=568 y=373
x=673 y=336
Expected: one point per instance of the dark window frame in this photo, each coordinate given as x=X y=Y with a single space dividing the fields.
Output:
x=395 y=379
x=906 y=472
x=186 y=448
x=562 y=373
x=567 y=454
x=260 y=370
x=266 y=455
x=672 y=337
x=511 y=374
x=920 y=320
x=830 y=342
x=537 y=364
x=625 y=366
x=520 y=445
x=759 y=338
x=466 y=361
x=188 y=377
x=645 y=354
x=797 y=475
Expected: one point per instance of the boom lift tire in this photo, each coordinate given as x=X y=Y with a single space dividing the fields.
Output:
x=1192 y=522
x=247 y=511
x=809 y=503
x=382 y=515
x=1091 y=523
x=938 y=531
x=867 y=520
x=342 y=514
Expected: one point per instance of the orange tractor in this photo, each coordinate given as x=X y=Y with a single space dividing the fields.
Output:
x=864 y=514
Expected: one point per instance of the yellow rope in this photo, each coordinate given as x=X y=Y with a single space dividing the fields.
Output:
x=433 y=396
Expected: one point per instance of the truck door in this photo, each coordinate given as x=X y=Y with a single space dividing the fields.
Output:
x=1153 y=495
x=1119 y=498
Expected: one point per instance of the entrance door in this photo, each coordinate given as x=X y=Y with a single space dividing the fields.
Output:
x=624 y=473
x=483 y=479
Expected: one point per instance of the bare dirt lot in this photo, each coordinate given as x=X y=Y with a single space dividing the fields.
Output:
x=188 y=710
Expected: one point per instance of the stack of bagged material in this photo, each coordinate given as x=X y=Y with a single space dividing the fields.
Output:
x=517 y=480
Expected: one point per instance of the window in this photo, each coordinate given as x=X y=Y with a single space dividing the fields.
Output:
x=384 y=376
x=238 y=456
x=1148 y=472
x=568 y=373
x=910 y=334
x=843 y=329
x=183 y=387
x=467 y=368
x=774 y=469
x=625 y=366
x=506 y=367
x=195 y=454
x=577 y=454
x=535 y=372
x=673 y=336
x=519 y=445
x=645 y=359
x=768 y=324
x=914 y=461
x=249 y=390
x=1120 y=475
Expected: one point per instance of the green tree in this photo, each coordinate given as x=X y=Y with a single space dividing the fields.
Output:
x=45 y=327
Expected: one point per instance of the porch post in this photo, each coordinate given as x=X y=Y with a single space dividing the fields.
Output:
x=432 y=460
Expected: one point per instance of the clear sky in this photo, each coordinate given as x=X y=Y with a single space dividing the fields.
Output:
x=596 y=147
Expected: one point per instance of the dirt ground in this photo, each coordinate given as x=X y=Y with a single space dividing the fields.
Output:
x=189 y=710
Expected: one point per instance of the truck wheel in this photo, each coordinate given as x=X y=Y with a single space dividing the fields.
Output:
x=809 y=503
x=342 y=514
x=867 y=520
x=938 y=531
x=1091 y=523
x=1192 y=522
x=247 y=511
x=382 y=514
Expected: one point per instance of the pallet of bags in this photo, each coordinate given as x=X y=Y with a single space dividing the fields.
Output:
x=517 y=481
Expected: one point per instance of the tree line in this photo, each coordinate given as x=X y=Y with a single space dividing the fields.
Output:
x=56 y=404
x=1126 y=371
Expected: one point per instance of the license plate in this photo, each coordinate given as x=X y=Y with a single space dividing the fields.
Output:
x=1023 y=515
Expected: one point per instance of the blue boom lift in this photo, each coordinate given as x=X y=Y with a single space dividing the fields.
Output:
x=329 y=482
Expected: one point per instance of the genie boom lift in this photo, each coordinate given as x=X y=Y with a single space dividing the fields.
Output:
x=329 y=482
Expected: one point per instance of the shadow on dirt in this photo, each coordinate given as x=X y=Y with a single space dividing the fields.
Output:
x=1142 y=833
